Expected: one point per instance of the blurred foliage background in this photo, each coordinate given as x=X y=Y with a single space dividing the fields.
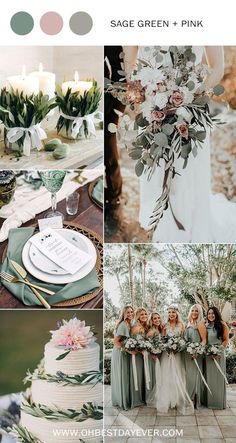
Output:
x=23 y=335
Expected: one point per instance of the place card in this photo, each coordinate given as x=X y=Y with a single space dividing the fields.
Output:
x=60 y=251
x=50 y=222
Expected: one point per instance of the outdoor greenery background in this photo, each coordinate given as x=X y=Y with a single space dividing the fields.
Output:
x=23 y=335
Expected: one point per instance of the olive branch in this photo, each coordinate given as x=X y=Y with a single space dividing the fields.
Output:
x=22 y=434
x=88 y=410
x=90 y=377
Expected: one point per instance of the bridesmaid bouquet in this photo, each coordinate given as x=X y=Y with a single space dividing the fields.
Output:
x=138 y=344
x=172 y=115
x=173 y=344
x=142 y=345
x=215 y=351
x=129 y=344
x=195 y=349
x=156 y=345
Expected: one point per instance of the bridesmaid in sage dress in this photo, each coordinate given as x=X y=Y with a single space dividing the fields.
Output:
x=139 y=329
x=195 y=333
x=155 y=329
x=120 y=362
x=217 y=333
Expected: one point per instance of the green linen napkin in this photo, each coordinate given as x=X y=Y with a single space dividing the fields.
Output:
x=16 y=241
x=97 y=192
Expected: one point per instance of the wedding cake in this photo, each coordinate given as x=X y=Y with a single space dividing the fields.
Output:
x=64 y=401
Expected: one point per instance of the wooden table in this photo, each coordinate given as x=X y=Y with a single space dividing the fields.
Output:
x=89 y=215
x=87 y=152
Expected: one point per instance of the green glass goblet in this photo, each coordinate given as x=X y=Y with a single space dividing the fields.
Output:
x=53 y=181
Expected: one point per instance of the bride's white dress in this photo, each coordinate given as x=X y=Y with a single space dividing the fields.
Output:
x=171 y=391
x=205 y=217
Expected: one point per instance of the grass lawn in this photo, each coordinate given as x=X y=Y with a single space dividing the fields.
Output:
x=23 y=335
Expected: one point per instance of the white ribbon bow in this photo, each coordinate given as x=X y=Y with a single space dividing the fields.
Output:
x=33 y=137
x=91 y=119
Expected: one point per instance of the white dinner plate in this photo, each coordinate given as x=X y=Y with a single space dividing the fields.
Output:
x=41 y=272
x=40 y=261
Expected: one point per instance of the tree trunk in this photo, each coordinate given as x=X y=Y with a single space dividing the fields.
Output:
x=131 y=284
x=144 y=280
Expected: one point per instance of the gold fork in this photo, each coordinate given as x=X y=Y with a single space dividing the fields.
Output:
x=12 y=279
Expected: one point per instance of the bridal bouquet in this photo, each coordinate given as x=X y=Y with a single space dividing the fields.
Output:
x=173 y=344
x=166 y=92
x=195 y=349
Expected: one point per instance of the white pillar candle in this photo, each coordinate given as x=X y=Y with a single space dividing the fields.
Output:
x=47 y=81
x=76 y=85
x=23 y=83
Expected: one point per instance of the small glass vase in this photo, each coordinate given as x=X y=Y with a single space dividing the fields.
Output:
x=11 y=148
x=66 y=131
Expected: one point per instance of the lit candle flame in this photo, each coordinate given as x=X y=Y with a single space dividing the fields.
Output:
x=40 y=67
x=76 y=76
x=23 y=71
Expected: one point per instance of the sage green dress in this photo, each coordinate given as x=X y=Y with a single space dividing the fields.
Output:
x=120 y=372
x=150 y=393
x=137 y=397
x=194 y=383
x=214 y=378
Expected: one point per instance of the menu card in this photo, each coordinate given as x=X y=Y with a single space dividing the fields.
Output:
x=60 y=251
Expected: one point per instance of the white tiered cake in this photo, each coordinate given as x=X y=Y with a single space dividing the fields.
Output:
x=66 y=392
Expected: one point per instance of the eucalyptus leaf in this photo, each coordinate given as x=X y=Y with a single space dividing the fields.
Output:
x=185 y=150
x=139 y=167
x=161 y=139
x=167 y=129
x=218 y=90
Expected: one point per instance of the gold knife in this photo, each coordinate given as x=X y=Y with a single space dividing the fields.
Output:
x=22 y=272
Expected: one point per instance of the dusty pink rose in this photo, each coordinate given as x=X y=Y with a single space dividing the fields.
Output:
x=73 y=334
x=176 y=99
x=182 y=129
x=158 y=116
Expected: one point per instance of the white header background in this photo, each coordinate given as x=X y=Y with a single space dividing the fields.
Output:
x=218 y=19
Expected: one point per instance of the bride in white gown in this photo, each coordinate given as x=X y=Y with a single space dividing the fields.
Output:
x=172 y=391
x=205 y=218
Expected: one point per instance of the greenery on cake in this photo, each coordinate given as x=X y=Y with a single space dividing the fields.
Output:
x=88 y=410
x=89 y=377
x=22 y=435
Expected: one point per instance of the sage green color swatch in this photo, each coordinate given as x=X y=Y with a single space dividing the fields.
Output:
x=22 y=23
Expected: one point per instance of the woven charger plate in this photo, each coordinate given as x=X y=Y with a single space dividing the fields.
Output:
x=90 y=192
x=97 y=242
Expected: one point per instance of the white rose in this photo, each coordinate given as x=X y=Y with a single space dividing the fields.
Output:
x=183 y=114
x=188 y=95
x=174 y=346
x=149 y=75
x=161 y=99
